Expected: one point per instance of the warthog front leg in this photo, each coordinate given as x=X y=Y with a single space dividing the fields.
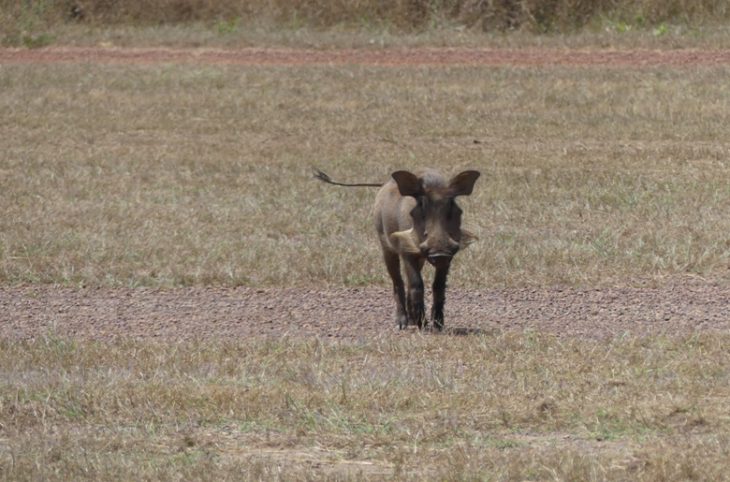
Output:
x=439 y=294
x=415 y=306
x=392 y=262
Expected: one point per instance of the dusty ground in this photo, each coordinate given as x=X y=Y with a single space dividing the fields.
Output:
x=355 y=313
x=683 y=306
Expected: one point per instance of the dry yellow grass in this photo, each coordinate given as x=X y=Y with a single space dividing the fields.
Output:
x=508 y=407
x=176 y=175
x=234 y=33
x=653 y=23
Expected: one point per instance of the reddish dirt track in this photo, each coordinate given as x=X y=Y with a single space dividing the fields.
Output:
x=682 y=306
x=383 y=57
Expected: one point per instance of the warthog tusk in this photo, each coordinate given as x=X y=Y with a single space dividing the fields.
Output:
x=405 y=241
x=467 y=238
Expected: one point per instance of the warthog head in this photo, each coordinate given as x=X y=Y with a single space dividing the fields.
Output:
x=436 y=232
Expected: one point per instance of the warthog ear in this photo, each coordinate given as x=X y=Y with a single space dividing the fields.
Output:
x=408 y=183
x=467 y=238
x=405 y=241
x=463 y=183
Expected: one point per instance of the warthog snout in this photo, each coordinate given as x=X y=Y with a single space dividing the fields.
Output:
x=446 y=248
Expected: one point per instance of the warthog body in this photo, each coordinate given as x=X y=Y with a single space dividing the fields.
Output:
x=417 y=220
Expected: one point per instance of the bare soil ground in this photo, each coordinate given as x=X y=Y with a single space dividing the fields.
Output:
x=682 y=306
x=355 y=313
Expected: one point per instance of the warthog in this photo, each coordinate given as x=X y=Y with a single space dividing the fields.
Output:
x=418 y=220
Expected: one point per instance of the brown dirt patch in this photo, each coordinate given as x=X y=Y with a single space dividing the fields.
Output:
x=538 y=57
x=354 y=313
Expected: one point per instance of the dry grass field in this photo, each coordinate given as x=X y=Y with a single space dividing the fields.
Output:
x=168 y=175
x=513 y=407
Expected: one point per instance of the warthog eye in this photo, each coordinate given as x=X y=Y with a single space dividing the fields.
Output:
x=419 y=212
x=454 y=210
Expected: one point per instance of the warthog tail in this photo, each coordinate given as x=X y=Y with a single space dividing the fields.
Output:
x=325 y=178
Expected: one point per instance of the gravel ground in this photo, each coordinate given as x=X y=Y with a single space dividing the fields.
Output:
x=355 y=313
